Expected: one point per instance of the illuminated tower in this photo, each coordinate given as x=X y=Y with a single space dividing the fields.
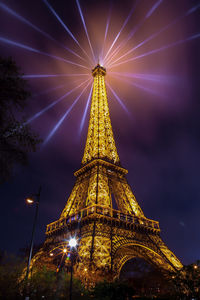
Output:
x=102 y=210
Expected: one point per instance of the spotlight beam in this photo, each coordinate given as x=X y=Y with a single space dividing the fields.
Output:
x=118 y=99
x=123 y=43
x=195 y=36
x=144 y=88
x=60 y=20
x=146 y=40
x=64 y=26
x=25 y=21
x=131 y=33
x=23 y=46
x=41 y=112
x=117 y=36
x=85 y=28
x=148 y=77
x=193 y=9
x=55 y=128
x=48 y=90
x=106 y=32
x=85 y=111
x=51 y=75
x=155 y=6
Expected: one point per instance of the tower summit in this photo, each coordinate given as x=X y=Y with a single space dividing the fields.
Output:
x=100 y=141
x=102 y=210
x=99 y=70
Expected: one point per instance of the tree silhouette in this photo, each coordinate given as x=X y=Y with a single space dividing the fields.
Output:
x=16 y=137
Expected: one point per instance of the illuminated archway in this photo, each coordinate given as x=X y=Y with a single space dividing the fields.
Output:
x=129 y=251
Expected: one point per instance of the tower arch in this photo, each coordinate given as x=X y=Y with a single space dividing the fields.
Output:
x=132 y=250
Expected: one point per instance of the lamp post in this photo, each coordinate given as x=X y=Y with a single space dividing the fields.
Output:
x=72 y=244
x=31 y=200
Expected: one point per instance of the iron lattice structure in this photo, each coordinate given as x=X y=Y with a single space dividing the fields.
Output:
x=108 y=237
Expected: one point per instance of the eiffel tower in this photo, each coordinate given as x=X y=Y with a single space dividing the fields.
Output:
x=102 y=210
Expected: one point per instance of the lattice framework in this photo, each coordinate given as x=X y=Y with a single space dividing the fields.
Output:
x=108 y=237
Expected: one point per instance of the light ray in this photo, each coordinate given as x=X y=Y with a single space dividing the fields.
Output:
x=148 y=77
x=118 y=99
x=84 y=25
x=146 y=40
x=23 y=46
x=193 y=9
x=117 y=36
x=48 y=90
x=60 y=20
x=52 y=75
x=64 y=26
x=132 y=32
x=55 y=128
x=113 y=54
x=41 y=112
x=155 y=6
x=22 y=19
x=144 y=88
x=85 y=111
x=106 y=32
x=124 y=42
x=195 y=36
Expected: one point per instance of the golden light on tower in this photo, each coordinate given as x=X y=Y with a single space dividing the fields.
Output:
x=100 y=140
x=107 y=237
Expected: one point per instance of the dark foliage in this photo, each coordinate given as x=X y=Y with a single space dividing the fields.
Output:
x=113 y=291
x=52 y=285
x=42 y=284
x=186 y=282
x=49 y=284
x=11 y=268
x=16 y=138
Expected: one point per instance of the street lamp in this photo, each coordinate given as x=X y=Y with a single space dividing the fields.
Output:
x=72 y=244
x=195 y=267
x=31 y=200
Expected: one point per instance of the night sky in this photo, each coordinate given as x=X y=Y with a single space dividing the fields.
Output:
x=156 y=125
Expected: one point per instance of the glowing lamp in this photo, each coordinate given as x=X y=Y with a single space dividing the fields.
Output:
x=64 y=250
x=29 y=201
x=195 y=266
x=72 y=242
